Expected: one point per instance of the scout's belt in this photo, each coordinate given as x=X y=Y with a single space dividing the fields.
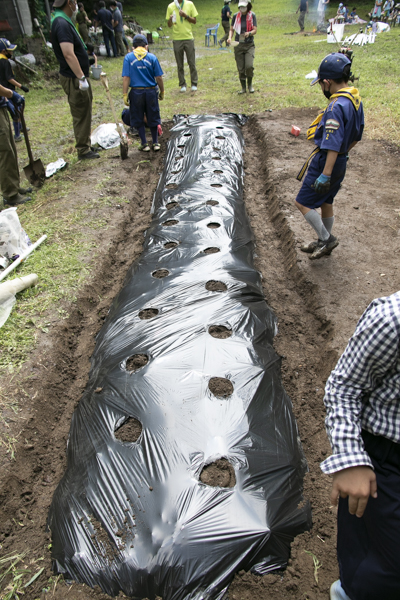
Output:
x=304 y=168
x=151 y=87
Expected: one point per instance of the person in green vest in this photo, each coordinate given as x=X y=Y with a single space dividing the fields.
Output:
x=72 y=56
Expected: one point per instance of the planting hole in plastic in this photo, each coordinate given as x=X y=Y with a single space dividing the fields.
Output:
x=136 y=362
x=216 y=286
x=219 y=127
x=171 y=205
x=171 y=186
x=216 y=158
x=170 y=222
x=187 y=134
x=181 y=146
x=220 y=387
x=211 y=250
x=219 y=331
x=160 y=273
x=169 y=245
x=216 y=185
x=219 y=474
x=213 y=225
x=218 y=172
x=148 y=313
x=220 y=137
x=176 y=171
x=212 y=202
x=129 y=431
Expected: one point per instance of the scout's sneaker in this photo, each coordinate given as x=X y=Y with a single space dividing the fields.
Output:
x=337 y=592
x=183 y=89
x=144 y=148
x=324 y=248
x=88 y=155
x=17 y=138
x=194 y=88
x=156 y=147
x=309 y=248
x=16 y=200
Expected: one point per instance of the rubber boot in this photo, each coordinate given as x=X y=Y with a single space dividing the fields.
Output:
x=243 y=83
x=250 y=85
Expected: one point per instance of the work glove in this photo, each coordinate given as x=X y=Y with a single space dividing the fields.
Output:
x=161 y=96
x=83 y=84
x=24 y=88
x=12 y=110
x=322 y=184
x=126 y=100
x=17 y=100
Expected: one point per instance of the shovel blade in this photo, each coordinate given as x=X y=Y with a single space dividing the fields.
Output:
x=123 y=149
x=35 y=173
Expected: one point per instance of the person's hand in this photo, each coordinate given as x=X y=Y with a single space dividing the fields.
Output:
x=126 y=99
x=356 y=483
x=17 y=100
x=246 y=35
x=24 y=88
x=322 y=184
x=228 y=41
x=83 y=84
x=182 y=14
x=161 y=96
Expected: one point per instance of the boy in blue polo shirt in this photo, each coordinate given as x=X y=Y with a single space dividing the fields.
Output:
x=335 y=131
x=142 y=73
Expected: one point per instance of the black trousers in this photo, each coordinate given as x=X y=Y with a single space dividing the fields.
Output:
x=369 y=547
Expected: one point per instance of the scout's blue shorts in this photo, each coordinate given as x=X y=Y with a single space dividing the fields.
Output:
x=368 y=547
x=143 y=102
x=307 y=196
x=126 y=117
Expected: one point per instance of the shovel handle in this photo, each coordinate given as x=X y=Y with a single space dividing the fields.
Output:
x=28 y=145
x=104 y=81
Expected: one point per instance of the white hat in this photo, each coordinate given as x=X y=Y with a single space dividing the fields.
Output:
x=243 y=3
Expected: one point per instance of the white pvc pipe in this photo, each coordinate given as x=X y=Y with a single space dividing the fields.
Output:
x=22 y=257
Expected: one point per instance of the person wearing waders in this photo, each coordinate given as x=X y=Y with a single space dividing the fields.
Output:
x=362 y=399
x=335 y=132
x=244 y=26
x=142 y=73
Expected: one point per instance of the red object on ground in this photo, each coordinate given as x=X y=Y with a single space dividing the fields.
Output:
x=160 y=131
x=295 y=130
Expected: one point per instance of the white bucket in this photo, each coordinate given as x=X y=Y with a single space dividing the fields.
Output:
x=96 y=71
x=338 y=30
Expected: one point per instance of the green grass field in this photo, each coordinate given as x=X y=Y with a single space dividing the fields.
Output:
x=282 y=61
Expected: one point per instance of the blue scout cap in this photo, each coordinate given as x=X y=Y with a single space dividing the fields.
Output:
x=331 y=67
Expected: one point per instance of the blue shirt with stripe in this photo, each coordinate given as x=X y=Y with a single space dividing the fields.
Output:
x=143 y=72
x=340 y=126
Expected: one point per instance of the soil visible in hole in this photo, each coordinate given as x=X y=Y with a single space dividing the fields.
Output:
x=220 y=387
x=216 y=149
x=215 y=286
x=219 y=331
x=136 y=361
x=216 y=185
x=160 y=273
x=169 y=245
x=148 y=313
x=212 y=202
x=218 y=171
x=179 y=157
x=211 y=250
x=171 y=205
x=219 y=474
x=171 y=186
x=170 y=222
x=181 y=146
x=219 y=137
x=219 y=127
x=176 y=171
x=216 y=158
x=187 y=134
x=129 y=431
x=213 y=225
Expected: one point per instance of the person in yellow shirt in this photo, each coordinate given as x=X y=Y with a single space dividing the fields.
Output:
x=181 y=16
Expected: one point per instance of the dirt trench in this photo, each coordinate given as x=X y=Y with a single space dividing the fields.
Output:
x=312 y=330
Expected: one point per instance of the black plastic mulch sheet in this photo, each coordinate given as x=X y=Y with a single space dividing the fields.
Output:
x=136 y=516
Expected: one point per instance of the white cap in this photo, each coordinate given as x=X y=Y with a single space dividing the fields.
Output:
x=243 y=3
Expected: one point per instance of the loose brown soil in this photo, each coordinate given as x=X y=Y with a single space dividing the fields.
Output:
x=317 y=305
x=220 y=387
x=211 y=250
x=219 y=474
x=220 y=331
x=160 y=273
x=216 y=286
x=135 y=362
x=148 y=313
x=129 y=431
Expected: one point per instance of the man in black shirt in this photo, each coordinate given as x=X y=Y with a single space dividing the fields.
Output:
x=104 y=16
x=225 y=21
x=303 y=8
x=70 y=51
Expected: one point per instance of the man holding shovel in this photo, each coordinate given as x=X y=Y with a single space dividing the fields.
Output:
x=13 y=194
x=71 y=53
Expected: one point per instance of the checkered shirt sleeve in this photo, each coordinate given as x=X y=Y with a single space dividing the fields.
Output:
x=363 y=391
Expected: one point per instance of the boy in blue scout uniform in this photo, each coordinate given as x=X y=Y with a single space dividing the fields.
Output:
x=141 y=72
x=335 y=131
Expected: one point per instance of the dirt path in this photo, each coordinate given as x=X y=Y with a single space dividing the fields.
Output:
x=317 y=305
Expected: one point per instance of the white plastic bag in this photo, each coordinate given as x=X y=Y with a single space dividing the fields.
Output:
x=55 y=166
x=13 y=239
x=106 y=135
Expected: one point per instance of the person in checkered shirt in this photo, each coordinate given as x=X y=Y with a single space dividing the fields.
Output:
x=362 y=398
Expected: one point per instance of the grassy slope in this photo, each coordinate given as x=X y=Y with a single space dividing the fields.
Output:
x=281 y=64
